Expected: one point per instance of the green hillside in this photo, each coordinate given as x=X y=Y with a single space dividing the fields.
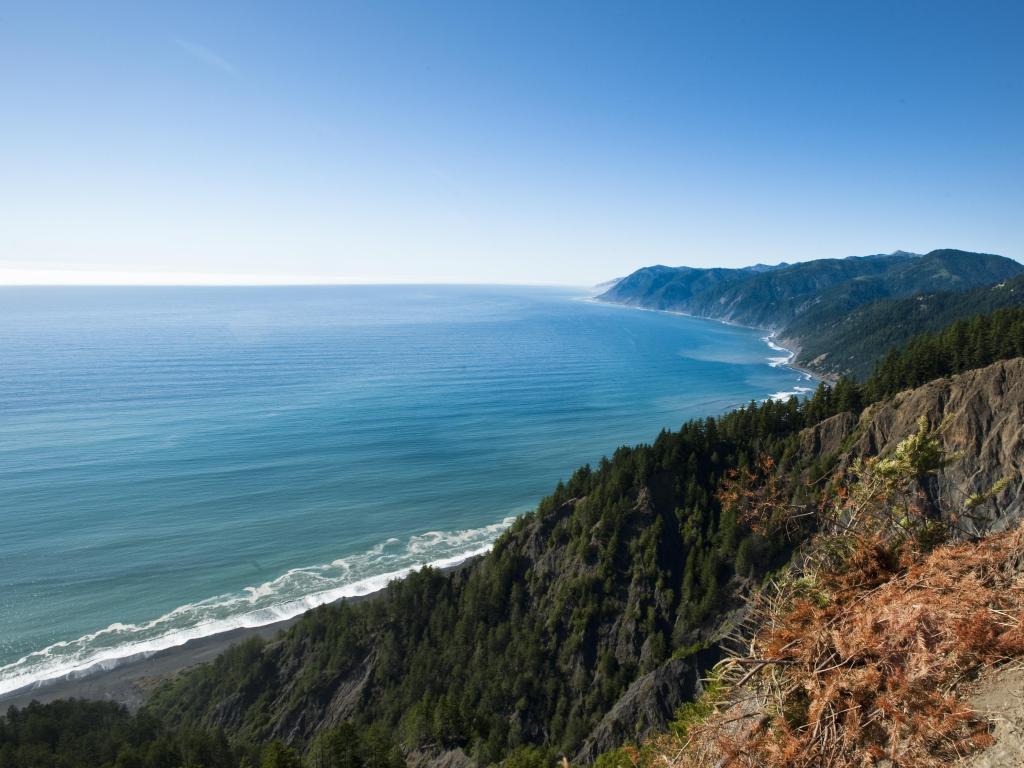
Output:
x=842 y=314
x=852 y=343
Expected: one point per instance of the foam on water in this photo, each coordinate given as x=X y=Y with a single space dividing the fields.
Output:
x=294 y=592
x=795 y=392
x=778 y=362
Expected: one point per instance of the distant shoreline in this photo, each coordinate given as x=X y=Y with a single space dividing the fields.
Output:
x=814 y=375
x=130 y=681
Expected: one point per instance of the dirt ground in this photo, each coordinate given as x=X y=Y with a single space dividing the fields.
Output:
x=999 y=695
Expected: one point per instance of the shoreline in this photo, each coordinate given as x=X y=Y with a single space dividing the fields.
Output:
x=130 y=680
x=769 y=339
x=811 y=374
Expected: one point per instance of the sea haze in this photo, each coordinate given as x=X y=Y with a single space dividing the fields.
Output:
x=176 y=462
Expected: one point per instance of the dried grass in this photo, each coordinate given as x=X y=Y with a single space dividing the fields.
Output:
x=860 y=666
x=858 y=659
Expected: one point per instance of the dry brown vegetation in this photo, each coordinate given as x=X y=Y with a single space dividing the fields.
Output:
x=858 y=659
x=862 y=665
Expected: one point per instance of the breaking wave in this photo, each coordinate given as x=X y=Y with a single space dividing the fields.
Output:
x=777 y=362
x=795 y=392
x=289 y=595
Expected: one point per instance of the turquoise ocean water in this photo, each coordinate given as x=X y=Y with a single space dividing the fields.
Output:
x=176 y=462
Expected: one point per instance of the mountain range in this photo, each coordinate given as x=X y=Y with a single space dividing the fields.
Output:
x=809 y=306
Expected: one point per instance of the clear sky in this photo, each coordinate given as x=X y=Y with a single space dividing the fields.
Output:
x=551 y=142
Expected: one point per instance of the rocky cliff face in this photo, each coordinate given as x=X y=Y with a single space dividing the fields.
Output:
x=648 y=706
x=980 y=415
x=980 y=418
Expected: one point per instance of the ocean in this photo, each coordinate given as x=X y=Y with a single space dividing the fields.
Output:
x=176 y=462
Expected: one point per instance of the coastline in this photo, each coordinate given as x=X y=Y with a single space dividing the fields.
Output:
x=130 y=680
x=770 y=338
x=812 y=375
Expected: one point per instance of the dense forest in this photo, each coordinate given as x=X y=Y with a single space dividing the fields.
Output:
x=71 y=734
x=623 y=566
x=966 y=344
x=854 y=342
x=631 y=568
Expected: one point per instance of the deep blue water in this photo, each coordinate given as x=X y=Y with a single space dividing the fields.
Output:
x=179 y=461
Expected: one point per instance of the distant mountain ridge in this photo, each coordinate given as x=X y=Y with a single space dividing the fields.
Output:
x=773 y=297
x=795 y=300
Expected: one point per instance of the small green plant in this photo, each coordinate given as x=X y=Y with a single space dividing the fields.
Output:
x=886 y=496
x=694 y=713
x=623 y=757
x=686 y=651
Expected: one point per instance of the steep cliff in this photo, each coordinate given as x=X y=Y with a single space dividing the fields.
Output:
x=980 y=417
x=868 y=650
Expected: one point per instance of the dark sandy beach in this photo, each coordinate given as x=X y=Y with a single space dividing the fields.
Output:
x=131 y=681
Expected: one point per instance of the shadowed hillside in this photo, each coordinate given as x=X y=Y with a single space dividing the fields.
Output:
x=853 y=342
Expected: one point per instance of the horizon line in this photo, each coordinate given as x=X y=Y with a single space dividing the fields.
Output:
x=15 y=275
x=297 y=284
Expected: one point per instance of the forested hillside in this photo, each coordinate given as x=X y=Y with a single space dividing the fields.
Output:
x=841 y=315
x=774 y=298
x=852 y=343
x=961 y=346
x=624 y=567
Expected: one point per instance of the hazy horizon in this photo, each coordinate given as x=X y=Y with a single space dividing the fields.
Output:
x=100 y=279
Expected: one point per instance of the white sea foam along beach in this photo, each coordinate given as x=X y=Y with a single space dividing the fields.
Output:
x=294 y=592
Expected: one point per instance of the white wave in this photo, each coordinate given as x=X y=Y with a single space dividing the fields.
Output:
x=795 y=392
x=290 y=594
x=777 y=362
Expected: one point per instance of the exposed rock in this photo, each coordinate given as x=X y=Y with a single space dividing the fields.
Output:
x=648 y=705
x=999 y=695
x=980 y=416
x=452 y=758
x=827 y=438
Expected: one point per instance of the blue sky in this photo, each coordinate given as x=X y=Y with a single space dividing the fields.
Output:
x=554 y=142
